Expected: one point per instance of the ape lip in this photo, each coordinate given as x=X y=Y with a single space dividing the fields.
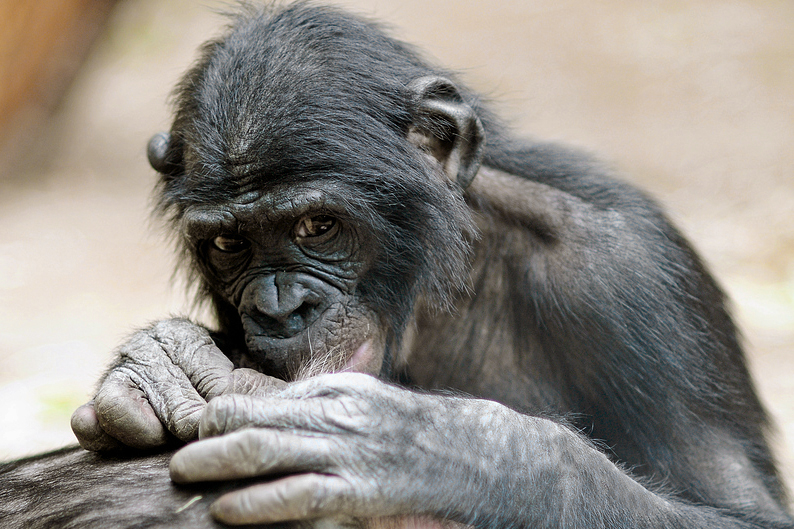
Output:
x=361 y=357
x=258 y=332
x=264 y=346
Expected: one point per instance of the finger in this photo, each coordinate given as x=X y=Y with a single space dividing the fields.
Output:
x=168 y=392
x=229 y=413
x=159 y=362
x=249 y=453
x=213 y=374
x=246 y=381
x=301 y=497
x=182 y=345
x=177 y=405
x=123 y=411
x=89 y=433
x=208 y=370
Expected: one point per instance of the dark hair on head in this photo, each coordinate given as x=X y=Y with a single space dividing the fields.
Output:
x=301 y=93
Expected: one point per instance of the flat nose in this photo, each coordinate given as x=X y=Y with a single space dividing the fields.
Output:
x=284 y=304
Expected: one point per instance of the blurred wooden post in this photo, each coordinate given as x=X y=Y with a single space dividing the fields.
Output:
x=42 y=45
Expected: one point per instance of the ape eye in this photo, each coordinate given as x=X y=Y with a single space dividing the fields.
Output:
x=230 y=243
x=315 y=226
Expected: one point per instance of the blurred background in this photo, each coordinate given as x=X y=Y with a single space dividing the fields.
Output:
x=692 y=100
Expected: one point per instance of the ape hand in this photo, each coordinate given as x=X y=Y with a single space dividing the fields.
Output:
x=161 y=383
x=341 y=444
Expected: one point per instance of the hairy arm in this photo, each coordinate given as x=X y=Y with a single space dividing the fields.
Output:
x=638 y=333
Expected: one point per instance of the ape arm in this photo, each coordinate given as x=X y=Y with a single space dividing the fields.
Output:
x=634 y=327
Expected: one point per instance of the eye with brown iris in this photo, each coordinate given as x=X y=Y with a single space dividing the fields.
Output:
x=315 y=226
x=230 y=243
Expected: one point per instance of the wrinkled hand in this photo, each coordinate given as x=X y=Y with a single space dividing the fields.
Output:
x=161 y=383
x=344 y=443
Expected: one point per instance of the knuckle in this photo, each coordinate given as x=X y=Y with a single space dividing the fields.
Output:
x=138 y=346
x=213 y=420
x=225 y=413
x=334 y=385
x=248 y=447
x=246 y=507
x=175 y=327
x=222 y=405
x=312 y=494
x=352 y=379
x=164 y=337
x=183 y=421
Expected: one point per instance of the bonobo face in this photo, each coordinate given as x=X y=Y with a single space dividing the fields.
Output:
x=289 y=260
x=318 y=192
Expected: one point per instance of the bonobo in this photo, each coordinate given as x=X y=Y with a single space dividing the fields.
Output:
x=421 y=320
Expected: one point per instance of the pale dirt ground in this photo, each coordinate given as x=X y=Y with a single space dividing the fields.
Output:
x=693 y=100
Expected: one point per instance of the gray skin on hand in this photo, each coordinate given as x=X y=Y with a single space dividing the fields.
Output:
x=160 y=385
x=350 y=443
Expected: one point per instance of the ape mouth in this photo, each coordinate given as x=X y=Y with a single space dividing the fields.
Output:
x=267 y=347
x=309 y=353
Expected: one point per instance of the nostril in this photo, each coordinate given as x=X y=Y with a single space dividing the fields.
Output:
x=301 y=318
x=288 y=324
x=306 y=311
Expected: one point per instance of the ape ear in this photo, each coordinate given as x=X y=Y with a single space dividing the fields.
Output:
x=447 y=128
x=164 y=156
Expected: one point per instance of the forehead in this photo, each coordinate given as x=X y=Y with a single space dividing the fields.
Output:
x=279 y=135
x=282 y=102
x=291 y=88
x=279 y=204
